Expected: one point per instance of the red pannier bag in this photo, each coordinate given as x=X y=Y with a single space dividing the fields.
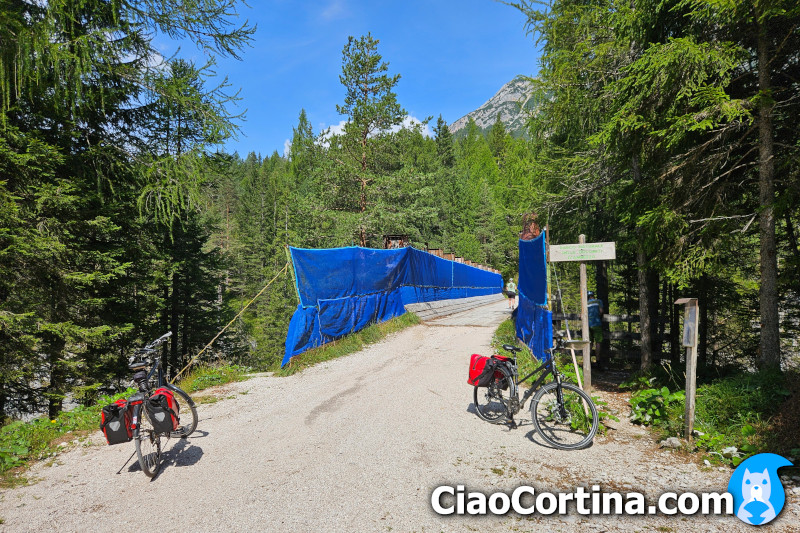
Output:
x=162 y=410
x=482 y=370
x=115 y=422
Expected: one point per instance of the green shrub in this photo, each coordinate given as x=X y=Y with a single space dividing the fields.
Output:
x=652 y=406
x=731 y=411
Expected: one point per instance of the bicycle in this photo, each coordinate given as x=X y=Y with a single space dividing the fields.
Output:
x=563 y=414
x=146 y=439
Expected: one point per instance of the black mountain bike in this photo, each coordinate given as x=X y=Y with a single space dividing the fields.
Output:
x=147 y=440
x=562 y=413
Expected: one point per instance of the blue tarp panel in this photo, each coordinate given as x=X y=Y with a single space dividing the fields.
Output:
x=343 y=290
x=534 y=323
x=533 y=270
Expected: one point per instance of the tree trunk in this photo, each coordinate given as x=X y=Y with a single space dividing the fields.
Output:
x=674 y=337
x=653 y=301
x=645 y=324
x=704 y=300
x=769 y=348
x=362 y=231
x=790 y=234
x=601 y=282
x=55 y=400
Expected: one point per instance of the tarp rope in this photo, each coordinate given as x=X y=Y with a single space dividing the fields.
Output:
x=284 y=269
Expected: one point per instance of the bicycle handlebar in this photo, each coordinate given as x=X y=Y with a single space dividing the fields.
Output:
x=159 y=341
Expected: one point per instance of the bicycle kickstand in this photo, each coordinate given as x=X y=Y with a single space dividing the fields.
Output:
x=511 y=423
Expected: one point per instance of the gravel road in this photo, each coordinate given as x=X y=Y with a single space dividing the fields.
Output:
x=358 y=444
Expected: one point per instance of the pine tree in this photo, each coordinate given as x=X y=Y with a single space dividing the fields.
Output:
x=444 y=143
x=371 y=108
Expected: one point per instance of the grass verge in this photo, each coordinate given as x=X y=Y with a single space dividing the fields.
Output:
x=22 y=443
x=203 y=377
x=349 y=344
x=736 y=416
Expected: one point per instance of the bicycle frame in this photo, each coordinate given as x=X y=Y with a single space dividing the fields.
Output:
x=549 y=367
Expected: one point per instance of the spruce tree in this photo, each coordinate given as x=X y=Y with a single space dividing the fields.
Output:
x=371 y=108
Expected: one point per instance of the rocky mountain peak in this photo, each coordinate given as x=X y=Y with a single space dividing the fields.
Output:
x=512 y=101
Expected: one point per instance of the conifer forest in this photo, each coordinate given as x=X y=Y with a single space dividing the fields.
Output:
x=669 y=127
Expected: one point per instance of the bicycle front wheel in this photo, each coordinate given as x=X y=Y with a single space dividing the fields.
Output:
x=492 y=402
x=148 y=444
x=564 y=416
x=187 y=413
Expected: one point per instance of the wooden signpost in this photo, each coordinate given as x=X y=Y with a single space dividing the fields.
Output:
x=583 y=251
x=691 y=330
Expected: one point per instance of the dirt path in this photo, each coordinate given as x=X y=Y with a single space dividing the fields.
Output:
x=358 y=444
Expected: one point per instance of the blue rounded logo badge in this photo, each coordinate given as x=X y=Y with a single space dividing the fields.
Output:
x=757 y=491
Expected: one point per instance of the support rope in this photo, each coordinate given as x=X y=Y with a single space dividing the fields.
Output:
x=285 y=267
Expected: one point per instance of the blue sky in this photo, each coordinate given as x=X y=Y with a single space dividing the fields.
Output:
x=452 y=56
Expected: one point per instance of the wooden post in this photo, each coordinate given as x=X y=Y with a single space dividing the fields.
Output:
x=587 y=349
x=690 y=333
x=582 y=252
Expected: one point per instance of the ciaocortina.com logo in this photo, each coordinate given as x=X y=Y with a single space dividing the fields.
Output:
x=757 y=491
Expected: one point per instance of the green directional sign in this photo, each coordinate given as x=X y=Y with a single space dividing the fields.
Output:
x=590 y=251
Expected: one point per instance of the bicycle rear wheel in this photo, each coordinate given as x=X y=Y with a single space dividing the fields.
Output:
x=560 y=417
x=148 y=444
x=492 y=402
x=187 y=412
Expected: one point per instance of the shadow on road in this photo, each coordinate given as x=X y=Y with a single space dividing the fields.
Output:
x=182 y=453
x=541 y=442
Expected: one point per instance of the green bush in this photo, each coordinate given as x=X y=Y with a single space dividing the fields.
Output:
x=732 y=411
x=656 y=406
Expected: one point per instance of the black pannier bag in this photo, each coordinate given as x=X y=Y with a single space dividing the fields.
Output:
x=162 y=409
x=115 y=422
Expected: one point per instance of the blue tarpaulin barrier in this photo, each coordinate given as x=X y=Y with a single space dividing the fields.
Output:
x=343 y=290
x=534 y=324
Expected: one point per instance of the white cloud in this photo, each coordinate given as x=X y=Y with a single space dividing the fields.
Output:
x=287 y=148
x=413 y=122
x=334 y=10
x=409 y=122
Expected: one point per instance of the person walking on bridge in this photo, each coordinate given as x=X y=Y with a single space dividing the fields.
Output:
x=511 y=292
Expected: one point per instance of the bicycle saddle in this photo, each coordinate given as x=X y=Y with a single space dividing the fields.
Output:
x=512 y=349
x=137 y=365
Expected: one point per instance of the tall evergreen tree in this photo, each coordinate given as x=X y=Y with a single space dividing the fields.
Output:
x=371 y=108
x=444 y=143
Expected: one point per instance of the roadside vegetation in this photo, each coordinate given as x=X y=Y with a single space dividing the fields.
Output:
x=22 y=443
x=349 y=344
x=737 y=415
